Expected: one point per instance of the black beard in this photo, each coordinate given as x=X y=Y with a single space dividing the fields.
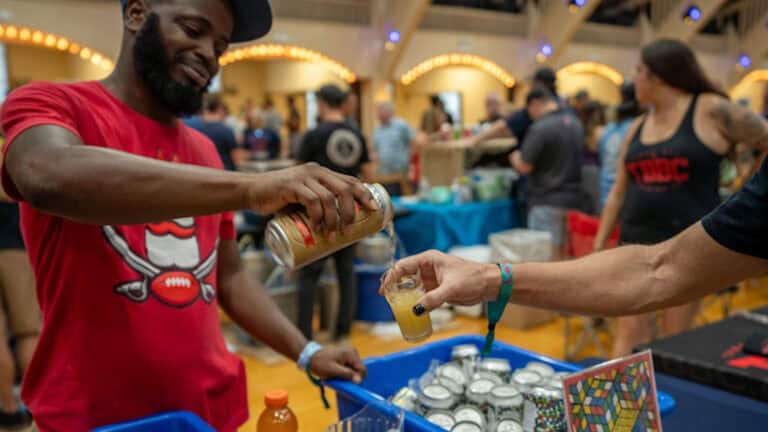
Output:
x=153 y=66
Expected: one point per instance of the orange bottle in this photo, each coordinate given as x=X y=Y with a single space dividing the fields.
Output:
x=277 y=417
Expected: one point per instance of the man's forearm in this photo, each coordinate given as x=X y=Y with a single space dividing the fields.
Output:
x=102 y=186
x=252 y=308
x=599 y=284
x=635 y=279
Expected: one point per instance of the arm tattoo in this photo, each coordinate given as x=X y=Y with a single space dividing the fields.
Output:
x=740 y=125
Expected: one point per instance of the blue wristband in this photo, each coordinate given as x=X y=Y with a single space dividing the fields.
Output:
x=496 y=308
x=307 y=353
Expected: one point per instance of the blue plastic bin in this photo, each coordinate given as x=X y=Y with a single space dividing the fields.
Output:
x=390 y=373
x=370 y=305
x=170 y=422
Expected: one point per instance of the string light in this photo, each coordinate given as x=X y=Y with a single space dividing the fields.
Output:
x=755 y=76
x=289 y=52
x=10 y=33
x=605 y=71
x=692 y=14
x=575 y=5
x=458 y=60
x=745 y=61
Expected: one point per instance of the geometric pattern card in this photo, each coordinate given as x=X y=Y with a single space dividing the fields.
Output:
x=616 y=396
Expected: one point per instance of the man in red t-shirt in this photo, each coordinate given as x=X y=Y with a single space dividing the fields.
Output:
x=126 y=215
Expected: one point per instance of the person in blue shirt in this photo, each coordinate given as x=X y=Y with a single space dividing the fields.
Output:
x=609 y=143
x=211 y=124
x=393 y=140
x=262 y=141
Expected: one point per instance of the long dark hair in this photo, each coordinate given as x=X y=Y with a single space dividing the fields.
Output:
x=629 y=107
x=675 y=63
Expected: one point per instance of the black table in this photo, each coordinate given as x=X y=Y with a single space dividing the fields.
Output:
x=713 y=355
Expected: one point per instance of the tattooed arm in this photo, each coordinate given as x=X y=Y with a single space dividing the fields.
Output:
x=739 y=125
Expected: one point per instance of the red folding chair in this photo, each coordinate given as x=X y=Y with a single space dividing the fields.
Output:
x=582 y=230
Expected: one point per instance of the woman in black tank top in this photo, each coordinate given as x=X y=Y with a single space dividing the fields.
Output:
x=667 y=176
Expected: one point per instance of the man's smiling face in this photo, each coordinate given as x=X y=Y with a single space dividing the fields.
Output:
x=177 y=48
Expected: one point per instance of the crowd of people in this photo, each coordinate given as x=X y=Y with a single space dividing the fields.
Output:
x=121 y=204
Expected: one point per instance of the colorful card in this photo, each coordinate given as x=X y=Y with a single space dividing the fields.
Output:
x=616 y=396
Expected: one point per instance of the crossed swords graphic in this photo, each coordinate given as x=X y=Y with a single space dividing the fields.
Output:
x=138 y=291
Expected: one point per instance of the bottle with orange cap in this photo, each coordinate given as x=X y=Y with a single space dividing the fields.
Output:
x=277 y=417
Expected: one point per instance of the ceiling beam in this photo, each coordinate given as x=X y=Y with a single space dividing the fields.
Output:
x=405 y=16
x=674 y=26
x=556 y=24
x=752 y=44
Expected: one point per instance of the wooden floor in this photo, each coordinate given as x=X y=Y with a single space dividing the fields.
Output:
x=546 y=339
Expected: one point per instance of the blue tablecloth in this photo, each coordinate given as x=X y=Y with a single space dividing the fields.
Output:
x=431 y=226
x=702 y=408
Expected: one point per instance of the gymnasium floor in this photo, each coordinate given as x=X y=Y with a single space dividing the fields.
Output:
x=546 y=339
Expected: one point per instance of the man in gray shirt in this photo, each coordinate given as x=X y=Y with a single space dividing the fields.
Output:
x=551 y=157
x=393 y=140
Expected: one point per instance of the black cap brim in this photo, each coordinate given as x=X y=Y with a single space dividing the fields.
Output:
x=253 y=19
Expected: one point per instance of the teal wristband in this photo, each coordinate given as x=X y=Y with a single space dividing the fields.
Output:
x=496 y=308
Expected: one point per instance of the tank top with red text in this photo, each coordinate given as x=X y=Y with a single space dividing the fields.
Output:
x=672 y=184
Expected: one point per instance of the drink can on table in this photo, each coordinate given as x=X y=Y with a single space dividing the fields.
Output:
x=508 y=425
x=467 y=427
x=453 y=386
x=498 y=366
x=478 y=393
x=294 y=243
x=525 y=380
x=487 y=375
x=454 y=371
x=540 y=368
x=544 y=410
x=469 y=413
x=436 y=397
x=507 y=402
x=442 y=418
x=465 y=354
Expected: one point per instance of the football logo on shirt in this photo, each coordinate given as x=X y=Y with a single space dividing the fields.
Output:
x=344 y=148
x=172 y=270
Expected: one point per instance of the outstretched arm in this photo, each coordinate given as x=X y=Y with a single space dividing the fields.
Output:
x=56 y=173
x=623 y=281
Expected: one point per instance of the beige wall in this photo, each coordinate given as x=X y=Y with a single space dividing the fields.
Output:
x=29 y=63
x=257 y=79
x=473 y=85
x=599 y=87
x=84 y=70
x=241 y=81
x=96 y=24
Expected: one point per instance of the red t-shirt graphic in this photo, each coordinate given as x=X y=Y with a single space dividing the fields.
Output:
x=130 y=322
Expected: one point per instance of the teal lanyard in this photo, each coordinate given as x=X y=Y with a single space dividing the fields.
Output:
x=496 y=308
x=319 y=384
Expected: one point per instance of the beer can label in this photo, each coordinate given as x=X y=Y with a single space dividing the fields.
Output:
x=306 y=234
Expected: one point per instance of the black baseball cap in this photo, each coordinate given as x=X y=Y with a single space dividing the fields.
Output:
x=332 y=94
x=545 y=75
x=253 y=19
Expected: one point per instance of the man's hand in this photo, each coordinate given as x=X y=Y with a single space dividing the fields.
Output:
x=328 y=197
x=343 y=363
x=448 y=280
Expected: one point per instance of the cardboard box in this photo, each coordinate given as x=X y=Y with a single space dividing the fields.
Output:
x=515 y=246
x=523 y=317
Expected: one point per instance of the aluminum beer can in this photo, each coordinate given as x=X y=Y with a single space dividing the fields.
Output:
x=294 y=243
